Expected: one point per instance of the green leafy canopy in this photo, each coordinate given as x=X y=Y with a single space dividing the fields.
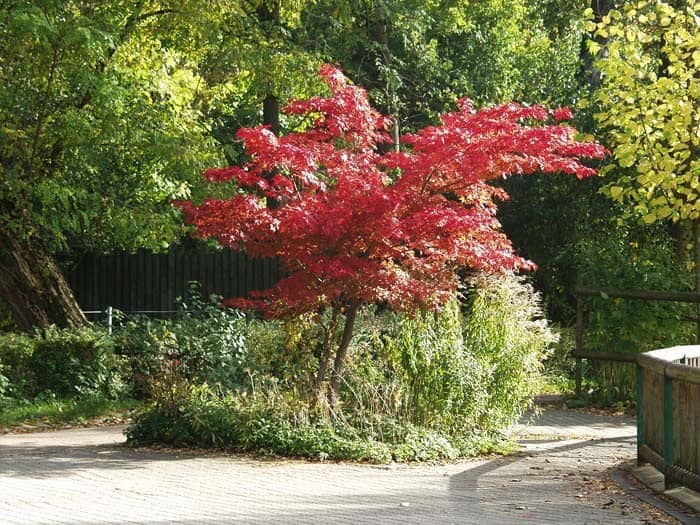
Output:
x=649 y=103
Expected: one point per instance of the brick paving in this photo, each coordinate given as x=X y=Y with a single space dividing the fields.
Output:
x=86 y=477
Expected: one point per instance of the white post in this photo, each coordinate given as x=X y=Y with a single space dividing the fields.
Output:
x=109 y=320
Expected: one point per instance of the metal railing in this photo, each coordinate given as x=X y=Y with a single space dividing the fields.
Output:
x=110 y=314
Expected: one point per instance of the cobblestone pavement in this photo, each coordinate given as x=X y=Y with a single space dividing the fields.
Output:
x=87 y=477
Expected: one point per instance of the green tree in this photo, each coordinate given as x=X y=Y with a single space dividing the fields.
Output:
x=100 y=131
x=649 y=104
x=418 y=57
x=252 y=53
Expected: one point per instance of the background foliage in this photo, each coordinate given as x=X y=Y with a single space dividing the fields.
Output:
x=111 y=110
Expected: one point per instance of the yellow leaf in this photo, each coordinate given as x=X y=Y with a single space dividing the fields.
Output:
x=616 y=192
x=644 y=166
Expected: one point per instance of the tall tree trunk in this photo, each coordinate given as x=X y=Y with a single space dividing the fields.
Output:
x=589 y=73
x=268 y=13
x=682 y=233
x=271 y=113
x=34 y=288
x=340 y=355
x=380 y=35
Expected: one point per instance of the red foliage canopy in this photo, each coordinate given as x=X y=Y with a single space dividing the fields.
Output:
x=352 y=225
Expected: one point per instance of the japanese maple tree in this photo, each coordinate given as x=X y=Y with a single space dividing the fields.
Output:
x=353 y=224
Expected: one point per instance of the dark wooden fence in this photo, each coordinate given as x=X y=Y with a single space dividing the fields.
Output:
x=151 y=282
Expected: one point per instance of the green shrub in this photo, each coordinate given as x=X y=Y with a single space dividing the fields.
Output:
x=431 y=386
x=268 y=424
x=205 y=341
x=64 y=362
x=145 y=346
x=210 y=340
x=506 y=332
x=4 y=383
x=415 y=370
x=72 y=362
x=464 y=369
x=15 y=355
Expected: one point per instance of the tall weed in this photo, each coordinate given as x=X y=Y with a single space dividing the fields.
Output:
x=507 y=333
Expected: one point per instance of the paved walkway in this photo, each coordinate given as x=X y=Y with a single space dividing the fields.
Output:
x=85 y=477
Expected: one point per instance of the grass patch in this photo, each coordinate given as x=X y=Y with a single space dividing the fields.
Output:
x=57 y=412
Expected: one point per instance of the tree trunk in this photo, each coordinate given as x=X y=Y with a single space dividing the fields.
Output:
x=396 y=132
x=34 y=288
x=590 y=73
x=326 y=352
x=269 y=15
x=271 y=113
x=340 y=355
x=682 y=233
x=380 y=35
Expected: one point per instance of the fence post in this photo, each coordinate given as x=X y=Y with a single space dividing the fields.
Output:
x=109 y=320
x=669 y=437
x=640 y=412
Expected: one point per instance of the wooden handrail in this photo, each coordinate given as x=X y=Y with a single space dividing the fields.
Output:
x=645 y=295
x=601 y=355
x=581 y=292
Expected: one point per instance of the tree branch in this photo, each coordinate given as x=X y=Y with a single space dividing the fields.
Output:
x=44 y=111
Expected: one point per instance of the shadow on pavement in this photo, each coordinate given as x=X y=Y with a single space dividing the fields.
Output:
x=531 y=496
x=53 y=461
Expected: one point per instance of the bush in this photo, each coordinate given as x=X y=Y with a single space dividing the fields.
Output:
x=474 y=367
x=267 y=424
x=217 y=346
x=64 y=362
x=15 y=354
x=432 y=386
x=73 y=362
x=205 y=341
x=209 y=340
x=508 y=335
x=4 y=383
x=416 y=370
